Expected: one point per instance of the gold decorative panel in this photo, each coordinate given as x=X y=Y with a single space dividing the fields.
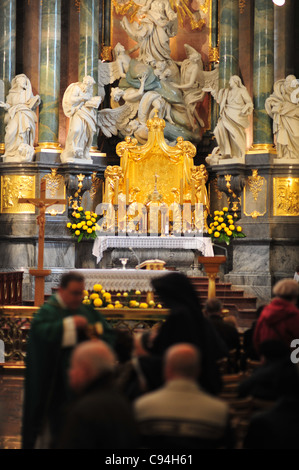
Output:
x=286 y=197
x=255 y=195
x=55 y=189
x=14 y=187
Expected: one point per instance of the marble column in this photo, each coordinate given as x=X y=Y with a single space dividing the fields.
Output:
x=7 y=55
x=89 y=45
x=89 y=39
x=263 y=72
x=229 y=41
x=50 y=74
x=214 y=57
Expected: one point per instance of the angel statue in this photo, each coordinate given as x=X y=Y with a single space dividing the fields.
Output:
x=109 y=72
x=20 y=120
x=81 y=107
x=193 y=81
x=282 y=106
x=235 y=107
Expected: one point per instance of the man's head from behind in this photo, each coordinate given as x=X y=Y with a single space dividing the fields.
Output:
x=71 y=289
x=287 y=289
x=213 y=307
x=182 y=361
x=90 y=361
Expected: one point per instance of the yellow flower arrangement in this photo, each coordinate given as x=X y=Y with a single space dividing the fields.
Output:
x=223 y=228
x=83 y=224
x=100 y=298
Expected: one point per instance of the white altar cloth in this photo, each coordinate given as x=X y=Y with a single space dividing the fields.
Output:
x=120 y=280
x=202 y=244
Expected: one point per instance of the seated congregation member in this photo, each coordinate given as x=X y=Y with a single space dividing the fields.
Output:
x=263 y=383
x=60 y=324
x=100 y=417
x=180 y=415
x=142 y=373
x=277 y=428
x=226 y=330
x=280 y=319
x=187 y=324
x=248 y=346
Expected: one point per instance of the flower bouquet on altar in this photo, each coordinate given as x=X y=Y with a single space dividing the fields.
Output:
x=83 y=224
x=223 y=228
x=99 y=298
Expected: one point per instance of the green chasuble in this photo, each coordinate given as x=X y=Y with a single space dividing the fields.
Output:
x=47 y=363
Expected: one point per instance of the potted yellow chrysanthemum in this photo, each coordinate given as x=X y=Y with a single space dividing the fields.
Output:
x=83 y=224
x=223 y=227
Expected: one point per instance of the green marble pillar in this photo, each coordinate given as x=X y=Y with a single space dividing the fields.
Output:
x=263 y=70
x=49 y=85
x=106 y=33
x=89 y=39
x=7 y=55
x=214 y=51
x=229 y=41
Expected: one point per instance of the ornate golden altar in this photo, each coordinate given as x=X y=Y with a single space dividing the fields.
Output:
x=157 y=174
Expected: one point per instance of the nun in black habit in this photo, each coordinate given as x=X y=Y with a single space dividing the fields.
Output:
x=186 y=323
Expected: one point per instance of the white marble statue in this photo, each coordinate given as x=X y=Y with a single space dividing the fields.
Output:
x=20 y=120
x=81 y=107
x=282 y=106
x=109 y=72
x=131 y=96
x=193 y=81
x=235 y=107
x=156 y=24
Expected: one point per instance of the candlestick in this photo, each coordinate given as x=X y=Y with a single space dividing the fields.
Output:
x=193 y=193
x=116 y=192
x=127 y=191
x=181 y=192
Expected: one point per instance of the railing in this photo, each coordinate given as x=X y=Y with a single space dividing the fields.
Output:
x=15 y=326
x=11 y=288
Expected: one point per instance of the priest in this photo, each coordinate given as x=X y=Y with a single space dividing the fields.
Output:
x=61 y=323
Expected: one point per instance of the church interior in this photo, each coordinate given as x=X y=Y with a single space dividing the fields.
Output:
x=149 y=235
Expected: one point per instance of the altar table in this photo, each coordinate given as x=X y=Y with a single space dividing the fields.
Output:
x=202 y=244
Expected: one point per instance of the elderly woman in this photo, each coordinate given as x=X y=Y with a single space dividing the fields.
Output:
x=280 y=319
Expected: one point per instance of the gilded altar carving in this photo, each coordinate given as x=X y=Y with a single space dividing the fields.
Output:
x=55 y=189
x=255 y=183
x=95 y=185
x=214 y=54
x=156 y=166
x=242 y=5
x=14 y=187
x=76 y=200
x=286 y=197
x=255 y=195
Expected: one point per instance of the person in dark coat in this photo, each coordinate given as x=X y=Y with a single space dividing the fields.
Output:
x=280 y=319
x=263 y=383
x=187 y=324
x=228 y=332
x=277 y=428
x=100 y=417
